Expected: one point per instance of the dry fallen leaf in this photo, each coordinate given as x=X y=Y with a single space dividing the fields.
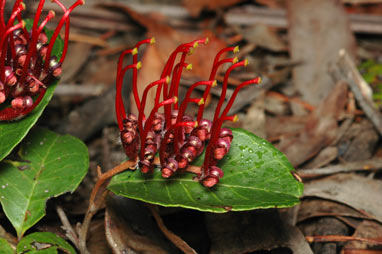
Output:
x=320 y=129
x=361 y=193
x=247 y=232
x=196 y=6
x=130 y=229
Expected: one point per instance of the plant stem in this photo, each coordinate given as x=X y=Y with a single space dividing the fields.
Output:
x=176 y=240
x=97 y=198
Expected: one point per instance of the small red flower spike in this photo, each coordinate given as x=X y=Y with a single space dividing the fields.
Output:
x=27 y=66
x=179 y=138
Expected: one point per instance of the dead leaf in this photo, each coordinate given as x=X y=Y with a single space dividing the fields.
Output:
x=325 y=156
x=367 y=229
x=320 y=129
x=196 y=6
x=312 y=208
x=97 y=243
x=264 y=36
x=130 y=229
x=254 y=120
x=361 y=193
x=79 y=54
x=317 y=30
x=246 y=232
x=284 y=125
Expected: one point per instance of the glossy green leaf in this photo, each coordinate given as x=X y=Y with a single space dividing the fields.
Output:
x=49 y=165
x=256 y=175
x=44 y=243
x=5 y=248
x=11 y=133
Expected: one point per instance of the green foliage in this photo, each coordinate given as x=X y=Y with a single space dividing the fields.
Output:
x=256 y=175
x=48 y=243
x=11 y=133
x=49 y=165
x=372 y=73
x=5 y=248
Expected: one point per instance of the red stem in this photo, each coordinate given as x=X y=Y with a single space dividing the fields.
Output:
x=212 y=77
x=3 y=47
x=67 y=25
x=141 y=115
x=149 y=123
x=119 y=105
x=167 y=135
x=57 y=31
x=176 y=78
x=2 y=22
x=216 y=126
x=135 y=72
x=224 y=87
x=32 y=46
x=183 y=107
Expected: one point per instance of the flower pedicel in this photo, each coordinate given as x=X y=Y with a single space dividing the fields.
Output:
x=27 y=66
x=177 y=137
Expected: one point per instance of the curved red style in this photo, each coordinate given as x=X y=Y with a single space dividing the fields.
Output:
x=179 y=138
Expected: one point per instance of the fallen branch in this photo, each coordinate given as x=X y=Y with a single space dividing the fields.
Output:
x=372 y=164
x=341 y=238
x=348 y=72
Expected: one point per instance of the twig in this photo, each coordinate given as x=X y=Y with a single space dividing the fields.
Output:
x=341 y=238
x=84 y=90
x=69 y=231
x=176 y=240
x=250 y=15
x=358 y=86
x=372 y=164
x=97 y=198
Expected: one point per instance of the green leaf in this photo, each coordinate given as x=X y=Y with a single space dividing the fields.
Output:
x=50 y=165
x=5 y=248
x=11 y=133
x=44 y=243
x=256 y=175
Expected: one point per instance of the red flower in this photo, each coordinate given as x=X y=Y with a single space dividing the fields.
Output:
x=179 y=138
x=27 y=66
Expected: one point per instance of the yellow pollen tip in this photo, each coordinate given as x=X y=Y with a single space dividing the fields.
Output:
x=139 y=65
x=52 y=13
x=246 y=62
x=201 y=101
x=168 y=80
x=135 y=51
x=259 y=80
x=235 y=119
x=236 y=49
x=175 y=99
x=22 y=6
x=23 y=24
x=82 y=2
x=215 y=83
x=196 y=44
x=191 y=51
x=196 y=124
x=152 y=41
x=189 y=67
x=207 y=40
x=235 y=60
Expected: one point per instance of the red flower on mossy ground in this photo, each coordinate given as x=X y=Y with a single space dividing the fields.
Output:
x=177 y=137
x=27 y=66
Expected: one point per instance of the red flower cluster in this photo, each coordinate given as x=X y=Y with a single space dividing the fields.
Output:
x=179 y=138
x=27 y=66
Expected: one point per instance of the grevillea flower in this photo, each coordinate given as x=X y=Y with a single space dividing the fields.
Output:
x=177 y=137
x=27 y=66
